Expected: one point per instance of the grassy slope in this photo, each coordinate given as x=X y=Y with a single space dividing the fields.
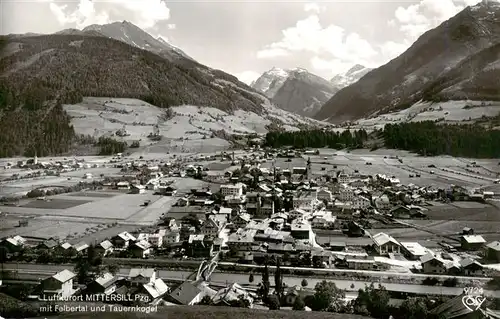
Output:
x=207 y=312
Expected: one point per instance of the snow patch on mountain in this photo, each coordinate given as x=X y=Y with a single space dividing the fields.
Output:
x=352 y=75
x=271 y=81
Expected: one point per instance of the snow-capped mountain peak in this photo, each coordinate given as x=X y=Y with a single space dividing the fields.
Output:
x=271 y=81
x=351 y=76
x=133 y=35
x=295 y=90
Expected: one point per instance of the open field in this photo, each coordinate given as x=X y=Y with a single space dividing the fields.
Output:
x=54 y=204
x=185 y=129
x=43 y=227
x=207 y=312
x=90 y=215
x=23 y=185
x=450 y=111
x=412 y=164
x=464 y=211
x=489 y=230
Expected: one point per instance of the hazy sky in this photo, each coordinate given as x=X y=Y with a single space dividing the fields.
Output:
x=246 y=38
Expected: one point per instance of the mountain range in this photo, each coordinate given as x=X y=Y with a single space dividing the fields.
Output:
x=457 y=60
x=298 y=90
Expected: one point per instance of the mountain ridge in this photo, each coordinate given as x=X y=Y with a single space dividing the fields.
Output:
x=133 y=35
x=295 y=90
x=402 y=81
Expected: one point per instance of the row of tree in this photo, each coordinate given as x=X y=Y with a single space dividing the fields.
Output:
x=110 y=146
x=371 y=301
x=317 y=139
x=431 y=138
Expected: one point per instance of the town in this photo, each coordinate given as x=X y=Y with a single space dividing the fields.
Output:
x=184 y=229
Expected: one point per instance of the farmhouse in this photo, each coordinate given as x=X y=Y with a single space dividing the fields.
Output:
x=104 y=284
x=59 y=285
x=104 y=248
x=492 y=252
x=137 y=189
x=186 y=294
x=472 y=242
x=140 y=249
x=413 y=250
x=471 y=267
x=13 y=244
x=122 y=240
x=385 y=244
x=432 y=264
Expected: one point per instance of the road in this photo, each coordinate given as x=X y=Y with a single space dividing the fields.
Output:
x=41 y=271
x=158 y=264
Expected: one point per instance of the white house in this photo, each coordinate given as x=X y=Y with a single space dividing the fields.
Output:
x=59 y=285
x=346 y=195
x=324 y=194
x=235 y=190
x=385 y=244
x=343 y=178
x=361 y=202
x=382 y=202
x=137 y=189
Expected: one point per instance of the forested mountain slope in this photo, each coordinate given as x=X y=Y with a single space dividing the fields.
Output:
x=63 y=68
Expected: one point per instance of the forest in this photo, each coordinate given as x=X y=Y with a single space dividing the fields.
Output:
x=430 y=138
x=64 y=68
x=109 y=146
x=33 y=121
x=317 y=139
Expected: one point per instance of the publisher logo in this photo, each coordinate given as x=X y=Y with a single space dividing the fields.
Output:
x=472 y=302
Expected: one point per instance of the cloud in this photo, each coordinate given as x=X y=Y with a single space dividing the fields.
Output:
x=416 y=19
x=247 y=76
x=271 y=52
x=335 y=65
x=390 y=49
x=143 y=13
x=308 y=35
x=314 y=7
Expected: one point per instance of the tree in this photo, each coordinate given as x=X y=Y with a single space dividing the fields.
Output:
x=264 y=289
x=135 y=144
x=273 y=302
x=89 y=267
x=450 y=282
x=113 y=268
x=415 y=308
x=327 y=296
x=278 y=279
x=372 y=301
x=250 y=278
x=299 y=303
x=304 y=283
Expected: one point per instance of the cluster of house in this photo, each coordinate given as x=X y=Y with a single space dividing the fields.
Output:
x=140 y=246
x=139 y=287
